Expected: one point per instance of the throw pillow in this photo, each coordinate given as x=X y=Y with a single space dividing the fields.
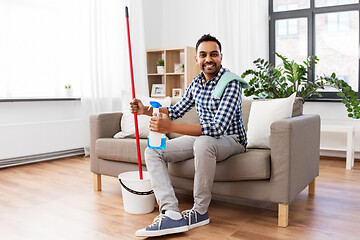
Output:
x=262 y=115
x=127 y=120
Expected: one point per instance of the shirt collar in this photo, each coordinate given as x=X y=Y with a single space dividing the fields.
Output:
x=214 y=79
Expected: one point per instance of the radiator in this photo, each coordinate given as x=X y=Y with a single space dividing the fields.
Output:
x=21 y=141
x=334 y=140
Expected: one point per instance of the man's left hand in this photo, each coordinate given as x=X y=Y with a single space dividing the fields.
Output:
x=160 y=124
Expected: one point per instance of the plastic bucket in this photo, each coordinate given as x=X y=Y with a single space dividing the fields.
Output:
x=138 y=198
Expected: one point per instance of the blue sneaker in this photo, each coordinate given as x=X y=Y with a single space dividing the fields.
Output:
x=163 y=225
x=195 y=219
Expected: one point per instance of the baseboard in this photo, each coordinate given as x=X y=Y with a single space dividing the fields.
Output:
x=9 y=162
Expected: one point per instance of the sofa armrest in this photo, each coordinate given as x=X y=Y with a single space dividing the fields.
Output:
x=103 y=125
x=295 y=152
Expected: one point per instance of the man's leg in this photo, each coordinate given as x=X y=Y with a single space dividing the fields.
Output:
x=208 y=151
x=176 y=150
x=170 y=220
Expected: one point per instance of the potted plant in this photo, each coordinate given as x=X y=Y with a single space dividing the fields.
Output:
x=279 y=82
x=68 y=91
x=160 y=65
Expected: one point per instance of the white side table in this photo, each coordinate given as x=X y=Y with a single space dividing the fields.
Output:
x=350 y=145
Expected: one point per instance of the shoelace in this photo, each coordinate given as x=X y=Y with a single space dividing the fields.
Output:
x=188 y=213
x=157 y=219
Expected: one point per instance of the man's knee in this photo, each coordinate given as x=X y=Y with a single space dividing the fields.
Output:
x=152 y=155
x=149 y=154
x=205 y=144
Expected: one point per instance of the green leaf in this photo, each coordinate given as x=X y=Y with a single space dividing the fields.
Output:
x=341 y=94
x=356 y=103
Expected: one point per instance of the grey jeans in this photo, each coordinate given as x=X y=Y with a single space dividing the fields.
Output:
x=205 y=150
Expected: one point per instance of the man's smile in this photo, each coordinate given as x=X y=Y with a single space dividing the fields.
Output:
x=209 y=65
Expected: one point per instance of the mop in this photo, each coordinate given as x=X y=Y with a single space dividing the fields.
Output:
x=133 y=95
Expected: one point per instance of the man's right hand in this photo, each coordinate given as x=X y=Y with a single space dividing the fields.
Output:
x=136 y=106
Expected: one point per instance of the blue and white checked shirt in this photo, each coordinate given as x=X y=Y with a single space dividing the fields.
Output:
x=217 y=117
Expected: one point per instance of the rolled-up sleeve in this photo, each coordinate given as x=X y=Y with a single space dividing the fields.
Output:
x=229 y=102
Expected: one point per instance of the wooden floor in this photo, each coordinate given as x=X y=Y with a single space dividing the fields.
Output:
x=55 y=200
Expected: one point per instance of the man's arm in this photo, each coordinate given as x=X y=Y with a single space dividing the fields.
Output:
x=193 y=129
x=165 y=125
x=136 y=106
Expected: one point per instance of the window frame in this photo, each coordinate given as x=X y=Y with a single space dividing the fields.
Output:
x=310 y=14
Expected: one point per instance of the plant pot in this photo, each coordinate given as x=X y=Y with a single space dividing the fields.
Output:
x=68 y=92
x=160 y=69
x=298 y=107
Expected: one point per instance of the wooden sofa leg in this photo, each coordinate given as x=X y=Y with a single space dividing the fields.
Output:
x=283 y=215
x=312 y=187
x=97 y=182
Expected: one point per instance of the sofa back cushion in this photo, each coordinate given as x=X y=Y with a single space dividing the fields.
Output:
x=246 y=106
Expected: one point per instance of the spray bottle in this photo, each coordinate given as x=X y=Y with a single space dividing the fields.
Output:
x=156 y=140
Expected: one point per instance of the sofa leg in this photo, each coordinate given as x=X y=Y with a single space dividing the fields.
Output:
x=97 y=182
x=312 y=187
x=283 y=215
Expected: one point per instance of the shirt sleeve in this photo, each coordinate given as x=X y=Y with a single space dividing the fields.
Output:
x=229 y=103
x=183 y=105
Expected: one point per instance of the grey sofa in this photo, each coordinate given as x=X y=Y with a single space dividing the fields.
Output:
x=277 y=175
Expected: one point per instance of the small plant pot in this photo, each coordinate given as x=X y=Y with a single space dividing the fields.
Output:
x=68 y=92
x=160 y=69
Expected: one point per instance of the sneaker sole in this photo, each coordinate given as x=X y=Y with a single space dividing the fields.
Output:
x=161 y=232
x=199 y=224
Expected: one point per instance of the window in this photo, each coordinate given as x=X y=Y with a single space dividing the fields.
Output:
x=328 y=29
x=43 y=46
x=286 y=28
x=336 y=22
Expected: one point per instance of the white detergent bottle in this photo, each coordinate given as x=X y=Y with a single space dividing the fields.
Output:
x=156 y=140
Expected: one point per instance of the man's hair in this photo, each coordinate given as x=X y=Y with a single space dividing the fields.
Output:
x=207 y=38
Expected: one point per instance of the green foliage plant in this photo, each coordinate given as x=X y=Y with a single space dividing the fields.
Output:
x=270 y=82
x=68 y=86
x=160 y=62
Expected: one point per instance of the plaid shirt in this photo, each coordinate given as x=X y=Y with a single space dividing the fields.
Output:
x=217 y=117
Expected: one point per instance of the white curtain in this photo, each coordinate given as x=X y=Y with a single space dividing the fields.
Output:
x=109 y=85
x=237 y=27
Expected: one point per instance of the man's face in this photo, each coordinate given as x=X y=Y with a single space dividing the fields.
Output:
x=208 y=58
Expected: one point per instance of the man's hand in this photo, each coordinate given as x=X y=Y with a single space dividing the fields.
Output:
x=136 y=106
x=160 y=124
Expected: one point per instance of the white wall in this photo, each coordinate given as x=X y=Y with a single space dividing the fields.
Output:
x=30 y=112
x=171 y=24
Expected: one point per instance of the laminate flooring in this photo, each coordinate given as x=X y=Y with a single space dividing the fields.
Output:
x=55 y=200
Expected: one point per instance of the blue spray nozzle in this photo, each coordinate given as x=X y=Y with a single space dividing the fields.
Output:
x=155 y=104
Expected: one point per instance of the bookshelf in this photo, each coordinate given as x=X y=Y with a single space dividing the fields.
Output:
x=170 y=78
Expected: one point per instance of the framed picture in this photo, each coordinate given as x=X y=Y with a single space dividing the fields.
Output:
x=176 y=92
x=158 y=90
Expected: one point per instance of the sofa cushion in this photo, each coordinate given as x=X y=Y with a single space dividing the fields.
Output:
x=254 y=164
x=122 y=150
x=262 y=115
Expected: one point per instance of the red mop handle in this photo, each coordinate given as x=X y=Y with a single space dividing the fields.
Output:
x=133 y=95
